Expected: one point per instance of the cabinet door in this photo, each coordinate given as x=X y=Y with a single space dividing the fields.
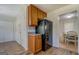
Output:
x=40 y=14
x=38 y=43
x=31 y=43
x=44 y=14
x=34 y=16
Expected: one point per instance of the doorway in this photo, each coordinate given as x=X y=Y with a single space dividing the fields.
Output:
x=69 y=31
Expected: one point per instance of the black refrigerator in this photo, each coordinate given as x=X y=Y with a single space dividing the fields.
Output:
x=45 y=29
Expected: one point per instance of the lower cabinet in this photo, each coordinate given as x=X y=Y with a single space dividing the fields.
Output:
x=34 y=43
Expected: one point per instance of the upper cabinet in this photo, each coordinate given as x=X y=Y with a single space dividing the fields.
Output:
x=35 y=14
x=32 y=15
x=41 y=14
x=44 y=14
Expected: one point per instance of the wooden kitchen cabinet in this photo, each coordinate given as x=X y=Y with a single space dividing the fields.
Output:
x=41 y=15
x=44 y=14
x=31 y=43
x=32 y=15
x=34 y=43
x=38 y=43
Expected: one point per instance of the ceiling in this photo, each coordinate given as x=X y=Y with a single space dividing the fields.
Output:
x=8 y=12
x=12 y=10
x=49 y=7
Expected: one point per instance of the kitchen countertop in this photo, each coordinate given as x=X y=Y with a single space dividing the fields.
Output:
x=33 y=34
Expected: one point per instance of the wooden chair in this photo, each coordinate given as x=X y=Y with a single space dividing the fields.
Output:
x=71 y=36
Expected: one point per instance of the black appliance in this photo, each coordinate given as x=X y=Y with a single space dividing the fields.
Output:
x=45 y=29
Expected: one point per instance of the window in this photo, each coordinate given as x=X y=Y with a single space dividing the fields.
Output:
x=68 y=27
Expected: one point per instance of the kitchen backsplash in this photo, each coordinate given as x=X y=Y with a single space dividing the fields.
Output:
x=31 y=30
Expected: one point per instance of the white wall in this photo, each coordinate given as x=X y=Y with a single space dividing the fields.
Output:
x=6 y=31
x=54 y=16
x=22 y=26
x=14 y=30
x=55 y=30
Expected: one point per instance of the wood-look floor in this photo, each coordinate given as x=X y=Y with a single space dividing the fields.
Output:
x=13 y=48
x=56 y=51
x=70 y=47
